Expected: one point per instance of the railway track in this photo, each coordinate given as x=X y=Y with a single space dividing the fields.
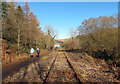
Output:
x=75 y=74
x=53 y=67
x=44 y=81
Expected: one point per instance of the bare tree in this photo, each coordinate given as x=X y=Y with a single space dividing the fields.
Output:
x=51 y=33
x=72 y=33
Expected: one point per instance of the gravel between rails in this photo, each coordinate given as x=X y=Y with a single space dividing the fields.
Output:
x=61 y=71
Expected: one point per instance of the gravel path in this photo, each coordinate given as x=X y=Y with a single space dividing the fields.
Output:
x=13 y=67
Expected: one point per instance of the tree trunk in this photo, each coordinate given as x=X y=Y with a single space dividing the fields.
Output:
x=18 y=36
x=18 y=39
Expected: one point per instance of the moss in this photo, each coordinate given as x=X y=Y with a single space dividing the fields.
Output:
x=45 y=57
x=83 y=75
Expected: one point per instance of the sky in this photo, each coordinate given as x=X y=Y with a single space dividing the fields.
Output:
x=66 y=15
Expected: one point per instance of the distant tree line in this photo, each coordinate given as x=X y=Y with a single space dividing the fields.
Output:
x=21 y=29
x=97 y=37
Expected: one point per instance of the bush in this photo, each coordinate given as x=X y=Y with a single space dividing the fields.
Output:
x=102 y=43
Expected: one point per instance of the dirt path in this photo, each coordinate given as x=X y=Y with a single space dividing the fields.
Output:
x=11 y=68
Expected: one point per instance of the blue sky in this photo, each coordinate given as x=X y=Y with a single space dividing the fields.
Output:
x=65 y=15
